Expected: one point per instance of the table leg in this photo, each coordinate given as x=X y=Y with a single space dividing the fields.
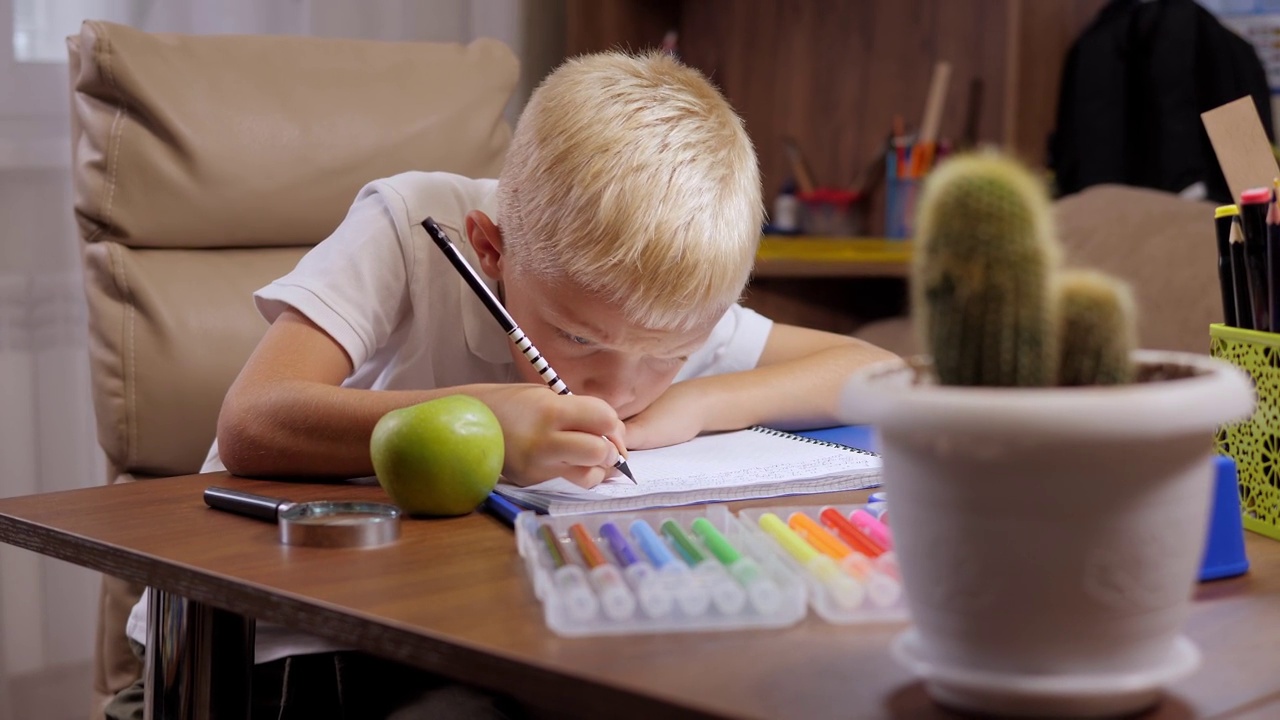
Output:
x=199 y=663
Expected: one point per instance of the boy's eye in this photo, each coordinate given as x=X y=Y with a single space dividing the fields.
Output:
x=575 y=339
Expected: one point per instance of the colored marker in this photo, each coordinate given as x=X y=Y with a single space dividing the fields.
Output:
x=570 y=581
x=852 y=536
x=727 y=595
x=846 y=591
x=1253 y=217
x=888 y=564
x=690 y=595
x=867 y=523
x=871 y=526
x=882 y=589
x=1223 y=220
x=1240 y=276
x=653 y=594
x=502 y=508
x=761 y=590
x=1273 y=262
x=615 y=597
x=817 y=536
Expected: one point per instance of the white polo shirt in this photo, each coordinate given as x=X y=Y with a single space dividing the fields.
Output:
x=381 y=288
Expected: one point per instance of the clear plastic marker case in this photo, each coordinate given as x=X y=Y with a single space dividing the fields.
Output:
x=859 y=587
x=672 y=570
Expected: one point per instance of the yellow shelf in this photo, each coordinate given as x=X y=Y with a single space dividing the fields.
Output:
x=796 y=256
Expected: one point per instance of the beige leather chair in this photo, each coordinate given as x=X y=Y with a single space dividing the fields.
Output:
x=204 y=167
x=1162 y=245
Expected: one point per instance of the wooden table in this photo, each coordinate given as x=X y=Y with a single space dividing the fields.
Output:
x=451 y=597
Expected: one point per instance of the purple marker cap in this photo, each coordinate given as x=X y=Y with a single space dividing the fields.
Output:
x=618 y=544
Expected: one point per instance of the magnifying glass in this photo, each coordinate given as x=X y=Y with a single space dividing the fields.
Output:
x=317 y=524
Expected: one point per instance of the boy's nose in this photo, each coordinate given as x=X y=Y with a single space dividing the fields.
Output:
x=617 y=391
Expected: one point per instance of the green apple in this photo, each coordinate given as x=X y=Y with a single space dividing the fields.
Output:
x=440 y=457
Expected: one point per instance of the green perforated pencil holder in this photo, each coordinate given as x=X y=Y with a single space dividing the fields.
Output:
x=1255 y=443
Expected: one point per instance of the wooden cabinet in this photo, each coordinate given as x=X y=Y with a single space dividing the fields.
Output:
x=831 y=74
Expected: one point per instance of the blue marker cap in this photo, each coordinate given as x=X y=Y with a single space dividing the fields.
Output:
x=651 y=544
x=503 y=508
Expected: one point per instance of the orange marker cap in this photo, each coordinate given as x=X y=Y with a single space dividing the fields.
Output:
x=817 y=536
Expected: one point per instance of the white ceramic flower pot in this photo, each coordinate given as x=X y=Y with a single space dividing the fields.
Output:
x=1049 y=538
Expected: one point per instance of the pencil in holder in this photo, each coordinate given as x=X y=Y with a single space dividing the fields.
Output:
x=1254 y=444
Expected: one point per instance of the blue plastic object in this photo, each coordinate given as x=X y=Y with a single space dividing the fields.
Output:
x=1224 y=554
x=857 y=436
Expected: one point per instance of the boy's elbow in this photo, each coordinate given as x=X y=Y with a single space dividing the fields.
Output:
x=240 y=442
x=232 y=448
x=867 y=353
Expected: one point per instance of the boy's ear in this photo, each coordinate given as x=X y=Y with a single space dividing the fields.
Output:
x=486 y=239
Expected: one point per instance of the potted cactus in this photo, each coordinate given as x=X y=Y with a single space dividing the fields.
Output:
x=1049 y=486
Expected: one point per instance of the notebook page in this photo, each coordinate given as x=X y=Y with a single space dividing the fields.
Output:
x=715 y=464
x=733 y=459
x=566 y=505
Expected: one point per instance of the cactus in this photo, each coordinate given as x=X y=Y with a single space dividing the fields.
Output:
x=1097 y=329
x=983 y=293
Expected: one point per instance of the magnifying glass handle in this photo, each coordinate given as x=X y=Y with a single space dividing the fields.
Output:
x=243 y=503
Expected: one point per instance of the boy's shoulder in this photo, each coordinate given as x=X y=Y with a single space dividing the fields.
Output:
x=432 y=181
x=447 y=197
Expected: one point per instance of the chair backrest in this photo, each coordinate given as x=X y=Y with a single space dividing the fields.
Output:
x=204 y=167
x=1162 y=245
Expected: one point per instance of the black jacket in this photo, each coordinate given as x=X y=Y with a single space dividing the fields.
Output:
x=1133 y=87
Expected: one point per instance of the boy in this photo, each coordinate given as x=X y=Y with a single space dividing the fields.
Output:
x=620 y=236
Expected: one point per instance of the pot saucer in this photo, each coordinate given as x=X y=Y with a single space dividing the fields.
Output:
x=1044 y=695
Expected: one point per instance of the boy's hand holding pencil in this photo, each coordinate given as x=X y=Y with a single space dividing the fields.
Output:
x=548 y=435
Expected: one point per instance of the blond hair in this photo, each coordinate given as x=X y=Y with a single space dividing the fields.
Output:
x=632 y=178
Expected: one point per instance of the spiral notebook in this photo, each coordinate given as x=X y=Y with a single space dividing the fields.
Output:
x=753 y=463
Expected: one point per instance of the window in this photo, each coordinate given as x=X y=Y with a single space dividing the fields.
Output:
x=40 y=27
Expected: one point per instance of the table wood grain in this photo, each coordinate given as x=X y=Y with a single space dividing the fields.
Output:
x=451 y=597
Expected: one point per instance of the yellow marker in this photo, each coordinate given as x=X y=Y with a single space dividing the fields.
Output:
x=848 y=593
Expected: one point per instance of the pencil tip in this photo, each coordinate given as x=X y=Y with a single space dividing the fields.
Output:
x=626 y=470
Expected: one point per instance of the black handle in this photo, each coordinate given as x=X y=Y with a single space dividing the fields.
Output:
x=243 y=503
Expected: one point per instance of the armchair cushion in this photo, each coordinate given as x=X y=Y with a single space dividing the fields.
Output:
x=205 y=166
x=249 y=141
x=1162 y=245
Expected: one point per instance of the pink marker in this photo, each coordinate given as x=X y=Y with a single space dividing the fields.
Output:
x=872 y=528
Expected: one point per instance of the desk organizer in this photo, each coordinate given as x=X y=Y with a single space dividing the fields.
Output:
x=832 y=212
x=856 y=582
x=1255 y=443
x=610 y=576
x=900 y=206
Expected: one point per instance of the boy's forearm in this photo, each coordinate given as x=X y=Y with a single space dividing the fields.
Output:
x=300 y=428
x=798 y=394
